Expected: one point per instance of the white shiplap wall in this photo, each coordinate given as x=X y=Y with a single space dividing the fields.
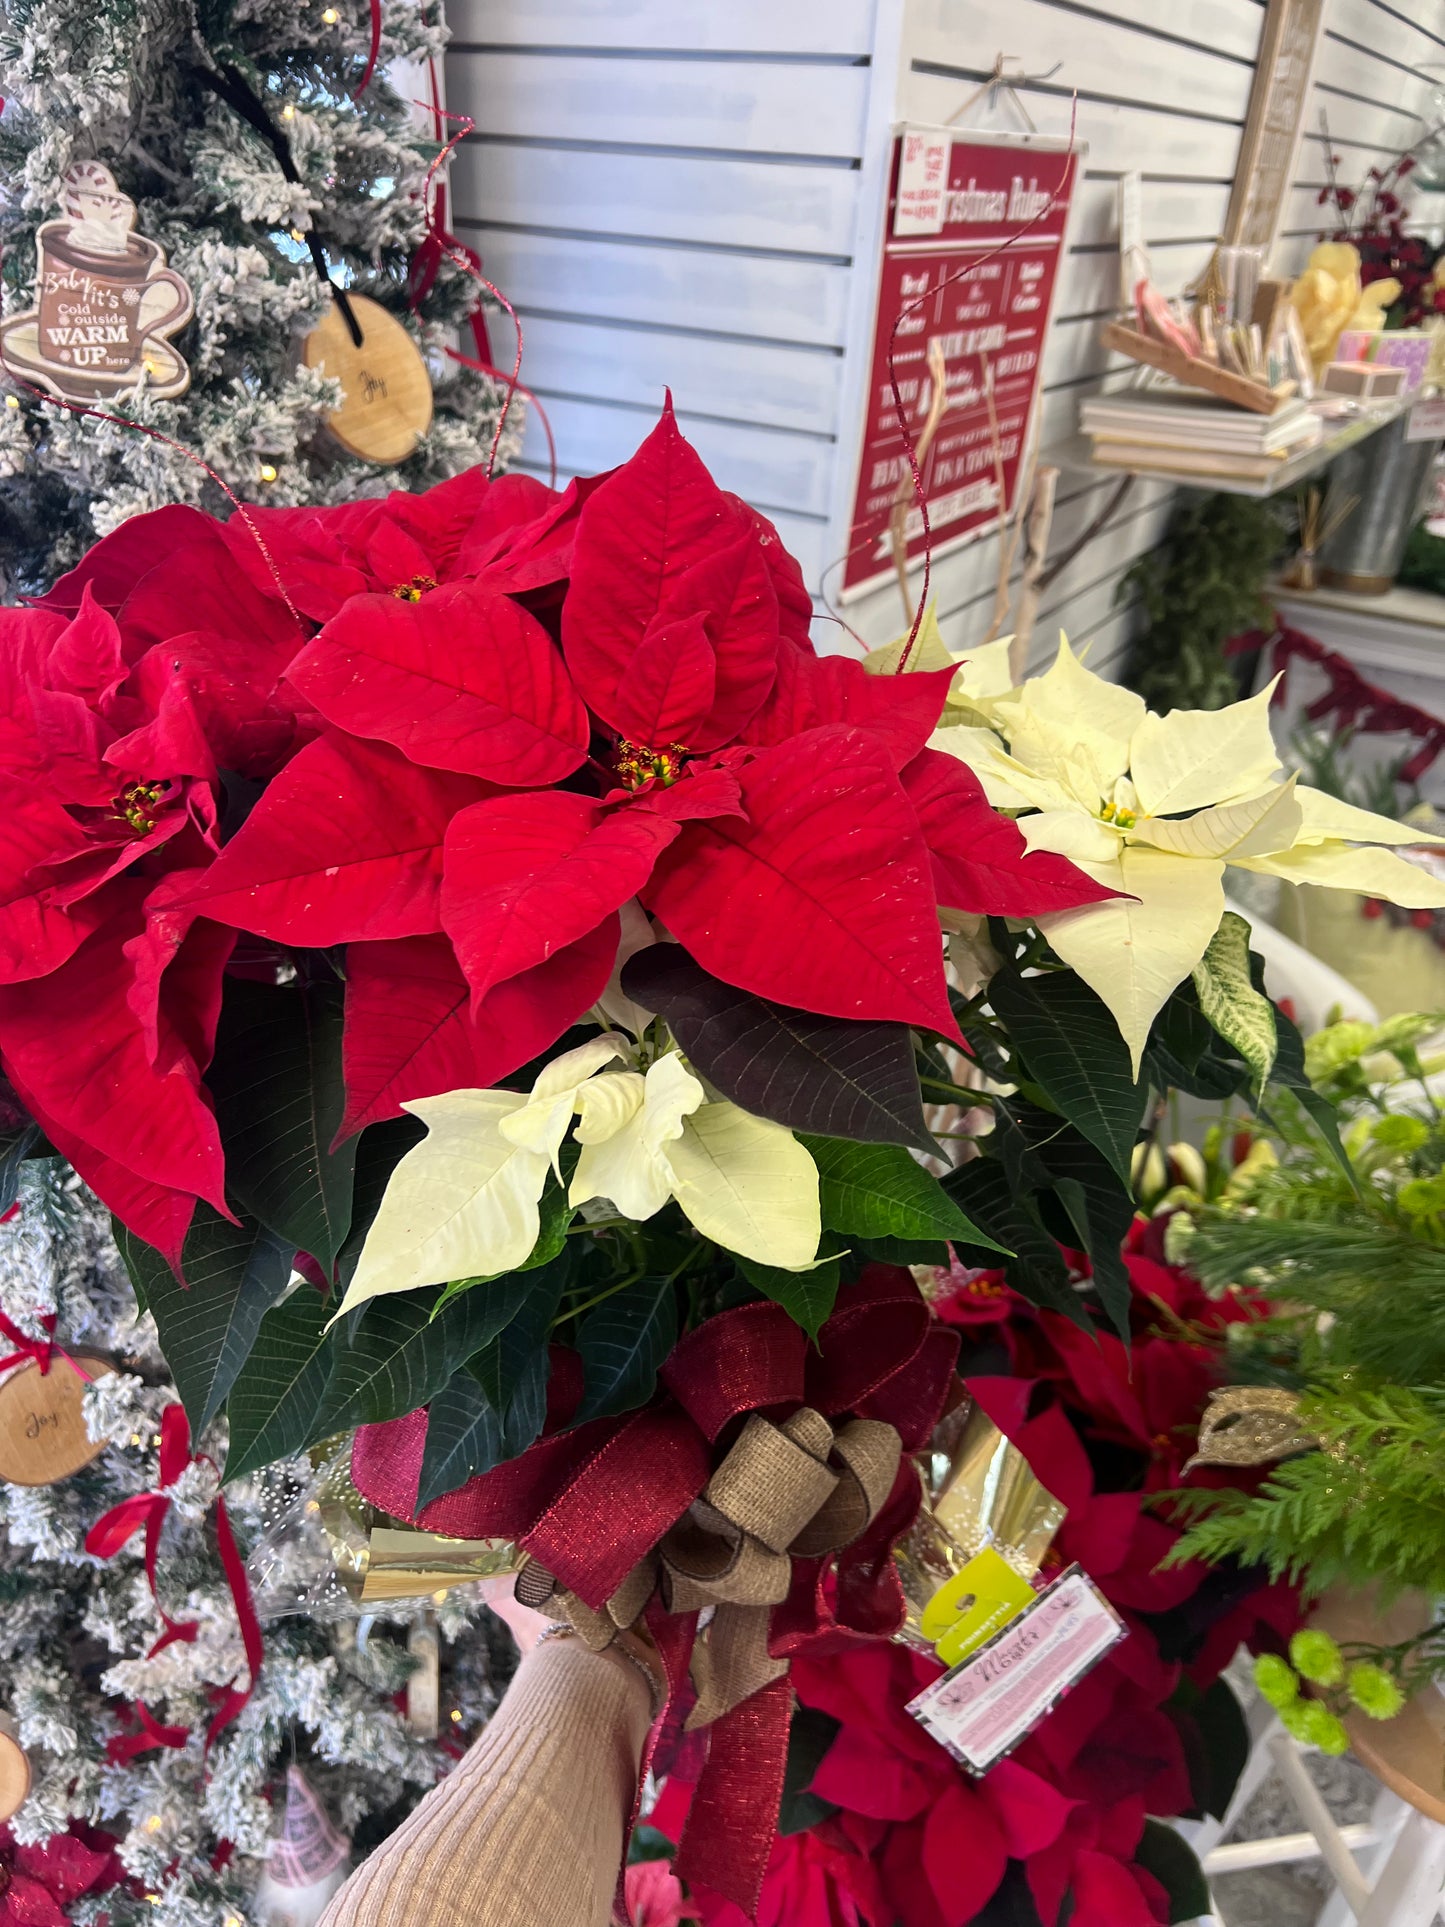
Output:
x=691 y=195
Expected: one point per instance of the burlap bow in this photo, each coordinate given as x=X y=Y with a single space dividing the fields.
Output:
x=796 y=1489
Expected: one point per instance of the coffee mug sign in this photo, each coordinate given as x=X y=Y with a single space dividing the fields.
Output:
x=106 y=301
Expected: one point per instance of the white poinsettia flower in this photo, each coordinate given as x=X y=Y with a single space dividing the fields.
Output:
x=743 y=1181
x=465 y=1202
x=1156 y=807
x=983 y=675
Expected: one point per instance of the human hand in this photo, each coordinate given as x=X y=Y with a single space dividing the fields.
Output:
x=525 y=1624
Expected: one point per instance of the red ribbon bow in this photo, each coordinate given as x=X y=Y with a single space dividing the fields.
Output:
x=146 y=1511
x=43 y=1350
x=588 y=1504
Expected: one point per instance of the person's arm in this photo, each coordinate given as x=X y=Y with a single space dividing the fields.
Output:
x=527 y=1831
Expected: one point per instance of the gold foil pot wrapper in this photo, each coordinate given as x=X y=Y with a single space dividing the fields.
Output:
x=978 y=1491
x=331 y=1552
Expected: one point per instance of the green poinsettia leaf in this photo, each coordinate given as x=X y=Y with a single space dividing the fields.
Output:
x=494 y=1408
x=806 y=1296
x=1073 y=1190
x=831 y=1075
x=1068 y=1044
x=623 y=1341
x=399 y=1353
x=1243 y=1015
x=879 y=1191
x=15 y=1147
x=1175 y=1865
x=279 y=1094
x=273 y=1405
x=1035 y=1266
x=234 y=1274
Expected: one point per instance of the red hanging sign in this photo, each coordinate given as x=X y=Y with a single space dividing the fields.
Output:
x=998 y=204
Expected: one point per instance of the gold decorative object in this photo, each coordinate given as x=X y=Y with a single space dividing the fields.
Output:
x=1250 y=1425
x=980 y=1492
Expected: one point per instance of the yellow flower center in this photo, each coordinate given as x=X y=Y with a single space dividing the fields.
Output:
x=1115 y=813
x=137 y=805
x=414 y=590
x=636 y=764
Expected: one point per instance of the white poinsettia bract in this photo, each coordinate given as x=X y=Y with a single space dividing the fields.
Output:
x=1157 y=807
x=465 y=1202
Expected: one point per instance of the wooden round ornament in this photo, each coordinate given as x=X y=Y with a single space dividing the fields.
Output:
x=42 y=1422
x=386 y=400
x=14 y=1770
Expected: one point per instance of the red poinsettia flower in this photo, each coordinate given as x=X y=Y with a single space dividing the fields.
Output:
x=37 y=1883
x=110 y=786
x=495 y=785
x=653 y=1896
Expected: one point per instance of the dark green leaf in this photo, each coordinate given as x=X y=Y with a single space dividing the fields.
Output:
x=901 y=1251
x=234 y=1274
x=277 y=1084
x=1036 y=1270
x=811 y=1734
x=1012 y=1903
x=463 y=1437
x=400 y=1355
x=880 y=1191
x=623 y=1341
x=494 y=1407
x=1219 y=1720
x=1174 y=1864
x=1070 y=1046
x=15 y=1147
x=273 y=1405
x=1080 y=1198
x=806 y=1296
x=830 y=1075
x=379 y=1150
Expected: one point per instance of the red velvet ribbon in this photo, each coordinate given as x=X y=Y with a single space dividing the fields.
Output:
x=42 y=1350
x=371 y=58
x=1354 y=702
x=146 y=1511
x=588 y=1504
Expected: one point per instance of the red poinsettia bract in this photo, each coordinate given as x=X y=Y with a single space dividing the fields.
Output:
x=456 y=733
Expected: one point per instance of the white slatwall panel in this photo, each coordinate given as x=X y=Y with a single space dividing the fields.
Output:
x=689 y=196
x=669 y=195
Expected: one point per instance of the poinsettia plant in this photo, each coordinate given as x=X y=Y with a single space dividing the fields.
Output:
x=488 y=904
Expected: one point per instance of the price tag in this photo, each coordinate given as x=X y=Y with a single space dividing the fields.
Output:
x=922 y=179
x=1426 y=420
x=983 y=1707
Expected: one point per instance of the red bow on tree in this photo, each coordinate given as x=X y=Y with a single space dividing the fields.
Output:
x=44 y=1351
x=146 y=1511
x=591 y=1504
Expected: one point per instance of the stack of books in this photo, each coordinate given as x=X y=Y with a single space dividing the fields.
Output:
x=1181 y=431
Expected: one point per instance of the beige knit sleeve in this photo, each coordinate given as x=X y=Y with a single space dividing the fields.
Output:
x=527 y=1832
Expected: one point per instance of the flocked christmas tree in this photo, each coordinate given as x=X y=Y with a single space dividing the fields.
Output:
x=130 y=84
x=194 y=1824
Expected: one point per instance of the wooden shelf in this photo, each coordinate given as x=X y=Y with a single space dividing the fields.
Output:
x=1078 y=453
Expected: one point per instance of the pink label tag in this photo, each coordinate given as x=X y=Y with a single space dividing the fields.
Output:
x=989 y=1701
